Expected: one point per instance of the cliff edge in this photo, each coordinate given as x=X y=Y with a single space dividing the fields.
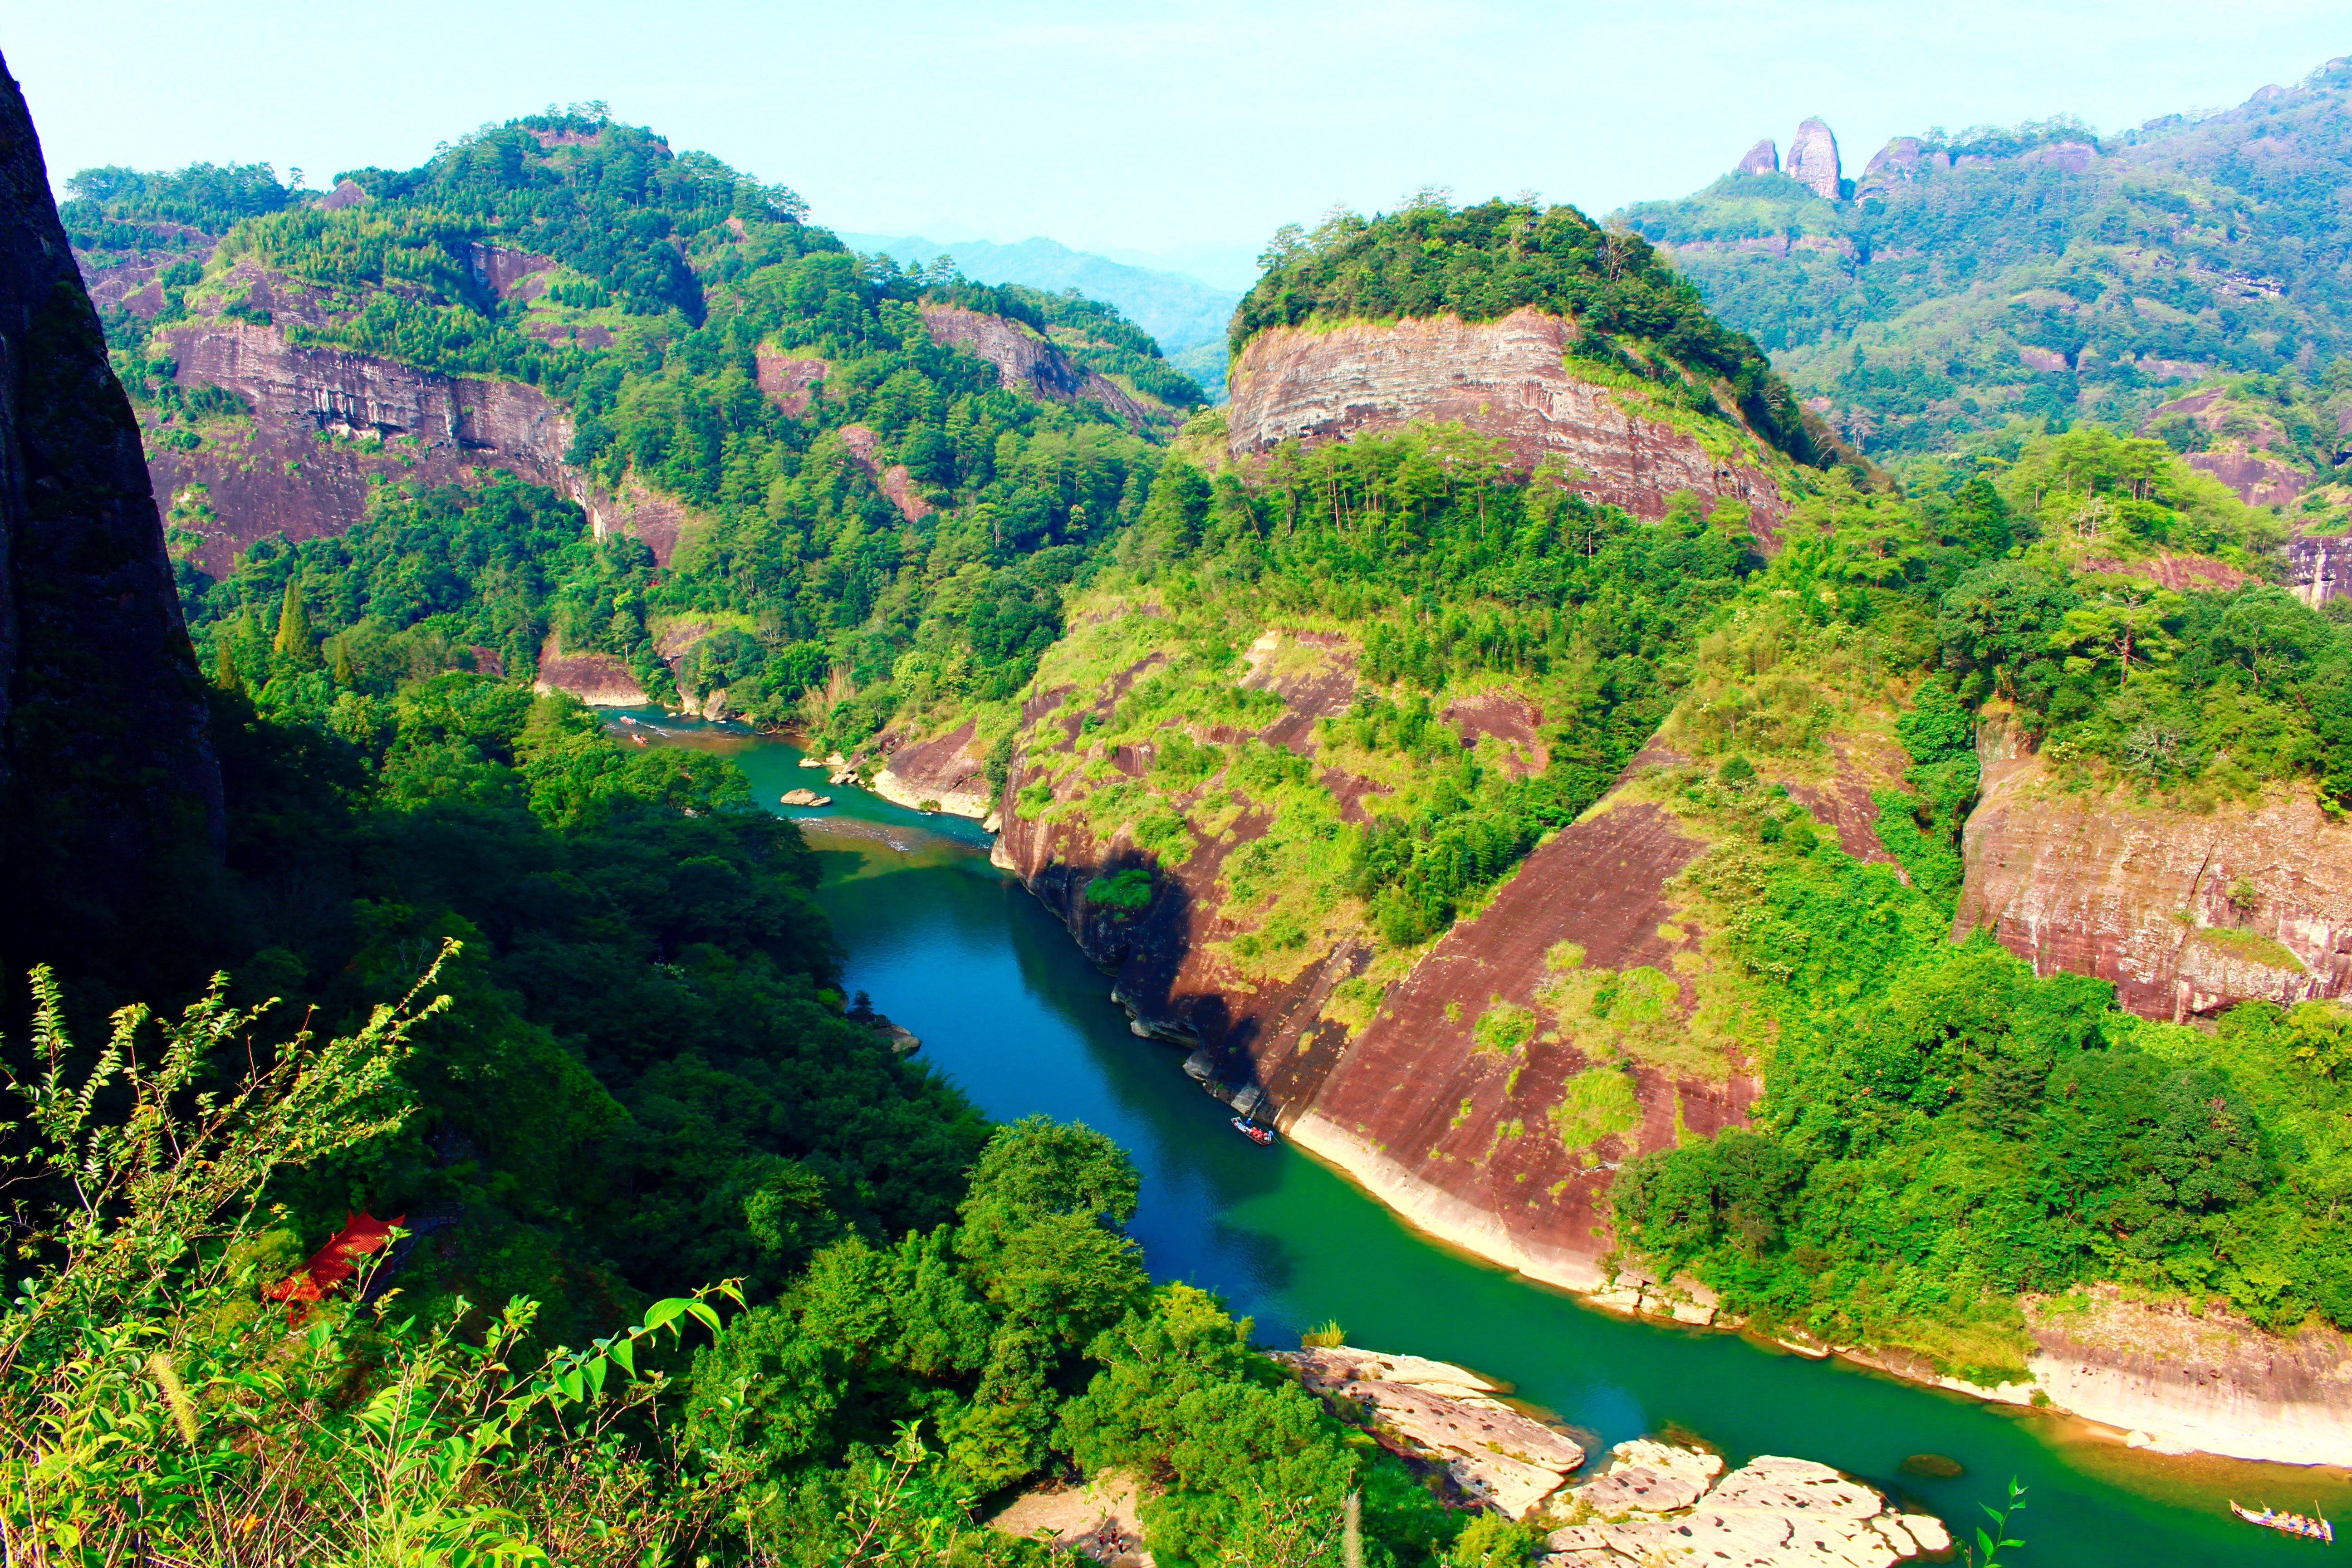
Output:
x=108 y=782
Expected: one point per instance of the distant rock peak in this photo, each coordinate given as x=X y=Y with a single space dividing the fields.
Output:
x=1814 y=159
x=1764 y=158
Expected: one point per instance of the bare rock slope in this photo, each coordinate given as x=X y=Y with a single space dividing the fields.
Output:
x=2186 y=913
x=1508 y=379
x=107 y=774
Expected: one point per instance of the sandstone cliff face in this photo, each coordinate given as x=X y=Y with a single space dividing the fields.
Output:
x=1506 y=379
x=2211 y=1384
x=1764 y=158
x=1412 y=1094
x=328 y=422
x=1031 y=366
x=2185 y=913
x=107 y=783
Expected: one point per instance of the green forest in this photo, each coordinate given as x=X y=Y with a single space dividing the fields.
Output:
x=1996 y=282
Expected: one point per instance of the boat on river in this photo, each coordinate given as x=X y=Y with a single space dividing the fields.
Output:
x=1253 y=1131
x=2309 y=1526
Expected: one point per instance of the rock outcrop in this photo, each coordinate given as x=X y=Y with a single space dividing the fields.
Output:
x=328 y=425
x=2246 y=463
x=2207 y=1382
x=599 y=679
x=2185 y=913
x=1813 y=160
x=109 y=795
x=1030 y=364
x=1652 y=1502
x=947 y=773
x=1764 y=158
x=1508 y=379
x=1902 y=160
x=1509 y=1461
x=1771 y=1513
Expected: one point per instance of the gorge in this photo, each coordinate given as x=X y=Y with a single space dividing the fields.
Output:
x=1652 y=831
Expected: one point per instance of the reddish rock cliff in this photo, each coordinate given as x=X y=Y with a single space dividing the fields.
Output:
x=2185 y=912
x=1507 y=379
x=327 y=422
x=1032 y=366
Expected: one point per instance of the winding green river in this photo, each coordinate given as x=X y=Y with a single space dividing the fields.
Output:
x=958 y=952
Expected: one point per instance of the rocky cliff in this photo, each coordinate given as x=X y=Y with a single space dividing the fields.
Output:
x=2186 y=913
x=1028 y=363
x=1813 y=160
x=326 y=425
x=1509 y=379
x=109 y=791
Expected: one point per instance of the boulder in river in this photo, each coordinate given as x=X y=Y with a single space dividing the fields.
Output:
x=1451 y=1415
x=806 y=797
x=1652 y=1505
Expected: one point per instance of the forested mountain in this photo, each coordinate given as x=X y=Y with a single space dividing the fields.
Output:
x=1516 y=746
x=850 y=486
x=2042 y=271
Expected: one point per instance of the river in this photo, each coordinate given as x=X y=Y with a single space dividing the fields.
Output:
x=1005 y=1004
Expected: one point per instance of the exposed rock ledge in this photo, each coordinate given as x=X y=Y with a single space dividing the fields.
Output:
x=1651 y=1502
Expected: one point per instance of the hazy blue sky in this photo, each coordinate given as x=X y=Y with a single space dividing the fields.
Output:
x=1147 y=124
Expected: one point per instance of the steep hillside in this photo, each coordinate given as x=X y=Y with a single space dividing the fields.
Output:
x=1593 y=888
x=784 y=465
x=2043 y=271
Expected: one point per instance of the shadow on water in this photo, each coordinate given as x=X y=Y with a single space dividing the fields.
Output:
x=1008 y=1008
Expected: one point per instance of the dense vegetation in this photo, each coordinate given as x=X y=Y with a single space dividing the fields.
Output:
x=152 y=1405
x=673 y=271
x=1485 y=261
x=1945 y=303
x=1942 y=1131
x=1450 y=579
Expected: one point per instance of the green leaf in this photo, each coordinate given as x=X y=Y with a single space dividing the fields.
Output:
x=626 y=1352
x=708 y=1314
x=662 y=1313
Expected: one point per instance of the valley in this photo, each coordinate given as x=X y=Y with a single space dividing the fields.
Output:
x=1775 y=762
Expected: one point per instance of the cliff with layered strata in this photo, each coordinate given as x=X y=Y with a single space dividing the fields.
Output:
x=2186 y=913
x=1510 y=379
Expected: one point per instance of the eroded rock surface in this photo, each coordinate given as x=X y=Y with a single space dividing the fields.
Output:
x=1655 y=1506
x=1506 y=1459
x=2186 y=913
x=329 y=423
x=1032 y=366
x=2210 y=1383
x=1505 y=379
x=1814 y=159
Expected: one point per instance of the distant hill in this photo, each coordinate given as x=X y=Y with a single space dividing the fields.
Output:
x=2044 y=270
x=1187 y=316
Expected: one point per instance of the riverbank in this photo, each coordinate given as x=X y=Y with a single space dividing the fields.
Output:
x=1014 y=1012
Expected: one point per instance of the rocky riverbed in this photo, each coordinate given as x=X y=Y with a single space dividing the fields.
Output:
x=1647 y=1503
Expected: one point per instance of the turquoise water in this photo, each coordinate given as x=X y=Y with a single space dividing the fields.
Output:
x=1004 y=1003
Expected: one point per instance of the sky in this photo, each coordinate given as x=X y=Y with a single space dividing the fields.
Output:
x=1160 y=126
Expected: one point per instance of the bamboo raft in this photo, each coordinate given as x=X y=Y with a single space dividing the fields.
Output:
x=2310 y=1527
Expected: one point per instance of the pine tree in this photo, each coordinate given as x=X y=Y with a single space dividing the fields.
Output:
x=224 y=674
x=345 y=675
x=293 y=643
